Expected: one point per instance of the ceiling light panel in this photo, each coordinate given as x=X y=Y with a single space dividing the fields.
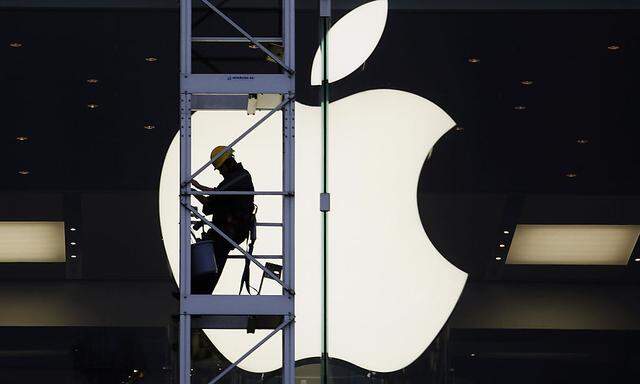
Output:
x=573 y=244
x=32 y=242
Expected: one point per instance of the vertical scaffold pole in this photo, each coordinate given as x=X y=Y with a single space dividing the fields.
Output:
x=185 y=215
x=232 y=92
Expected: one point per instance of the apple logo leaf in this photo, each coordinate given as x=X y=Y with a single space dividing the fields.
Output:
x=351 y=41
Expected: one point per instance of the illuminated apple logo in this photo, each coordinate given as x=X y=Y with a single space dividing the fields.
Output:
x=389 y=290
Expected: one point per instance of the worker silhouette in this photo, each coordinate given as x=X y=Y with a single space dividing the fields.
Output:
x=233 y=214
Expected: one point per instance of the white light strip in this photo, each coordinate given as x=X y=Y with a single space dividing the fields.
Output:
x=573 y=244
x=32 y=242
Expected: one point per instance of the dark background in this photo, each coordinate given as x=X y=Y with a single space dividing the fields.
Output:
x=99 y=169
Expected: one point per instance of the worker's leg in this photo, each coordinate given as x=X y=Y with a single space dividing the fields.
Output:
x=221 y=248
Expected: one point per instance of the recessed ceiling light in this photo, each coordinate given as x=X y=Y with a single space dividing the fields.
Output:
x=15 y=44
x=473 y=60
x=498 y=258
x=23 y=172
x=526 y=82
x=582 y=141
x=149 y=127
x=22 y=138
x=571 y=175
x=519 y=107
x=150 y=59
x=614 y=47
x=92 y=105
x=92 y=81
x=501 y=245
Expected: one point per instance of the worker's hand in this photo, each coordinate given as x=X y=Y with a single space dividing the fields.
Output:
x=197 y=185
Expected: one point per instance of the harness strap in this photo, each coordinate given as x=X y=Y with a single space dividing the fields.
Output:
x=246 y=273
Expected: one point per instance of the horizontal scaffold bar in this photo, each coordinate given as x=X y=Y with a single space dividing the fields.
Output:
x=268 y=257
x=225 y=39
x=253 y=193
x=237 y=305
x=236 y=84
x=236 y=322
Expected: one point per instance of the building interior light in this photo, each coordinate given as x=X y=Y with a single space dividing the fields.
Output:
x=498 y=258
x=73 y=256
x=571 y=175
x=149 y=127
x=572 y=244
x=505 y=232
x=502 y=245
x=92 y=81
x=582 y=141
x=72 y=229
x=22 y=138
x=92 y=105
x=32 y=241
x=15 y=44
x=526 y=82
x=473 y=60
x=150 y=59
x=519 y=107
x=614 y=47
x=72 y=243
x=23 y=172
x=636 y=259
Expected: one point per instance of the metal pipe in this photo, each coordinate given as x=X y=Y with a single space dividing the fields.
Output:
x=325 y=26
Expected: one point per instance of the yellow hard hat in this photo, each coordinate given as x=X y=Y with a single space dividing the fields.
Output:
x=220 y=160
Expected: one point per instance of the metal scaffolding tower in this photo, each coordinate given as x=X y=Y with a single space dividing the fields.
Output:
x=235 y=91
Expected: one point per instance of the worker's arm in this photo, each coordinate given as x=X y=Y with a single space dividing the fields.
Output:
x=201 y=199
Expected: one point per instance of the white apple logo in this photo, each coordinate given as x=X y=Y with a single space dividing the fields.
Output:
x=389 y=290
